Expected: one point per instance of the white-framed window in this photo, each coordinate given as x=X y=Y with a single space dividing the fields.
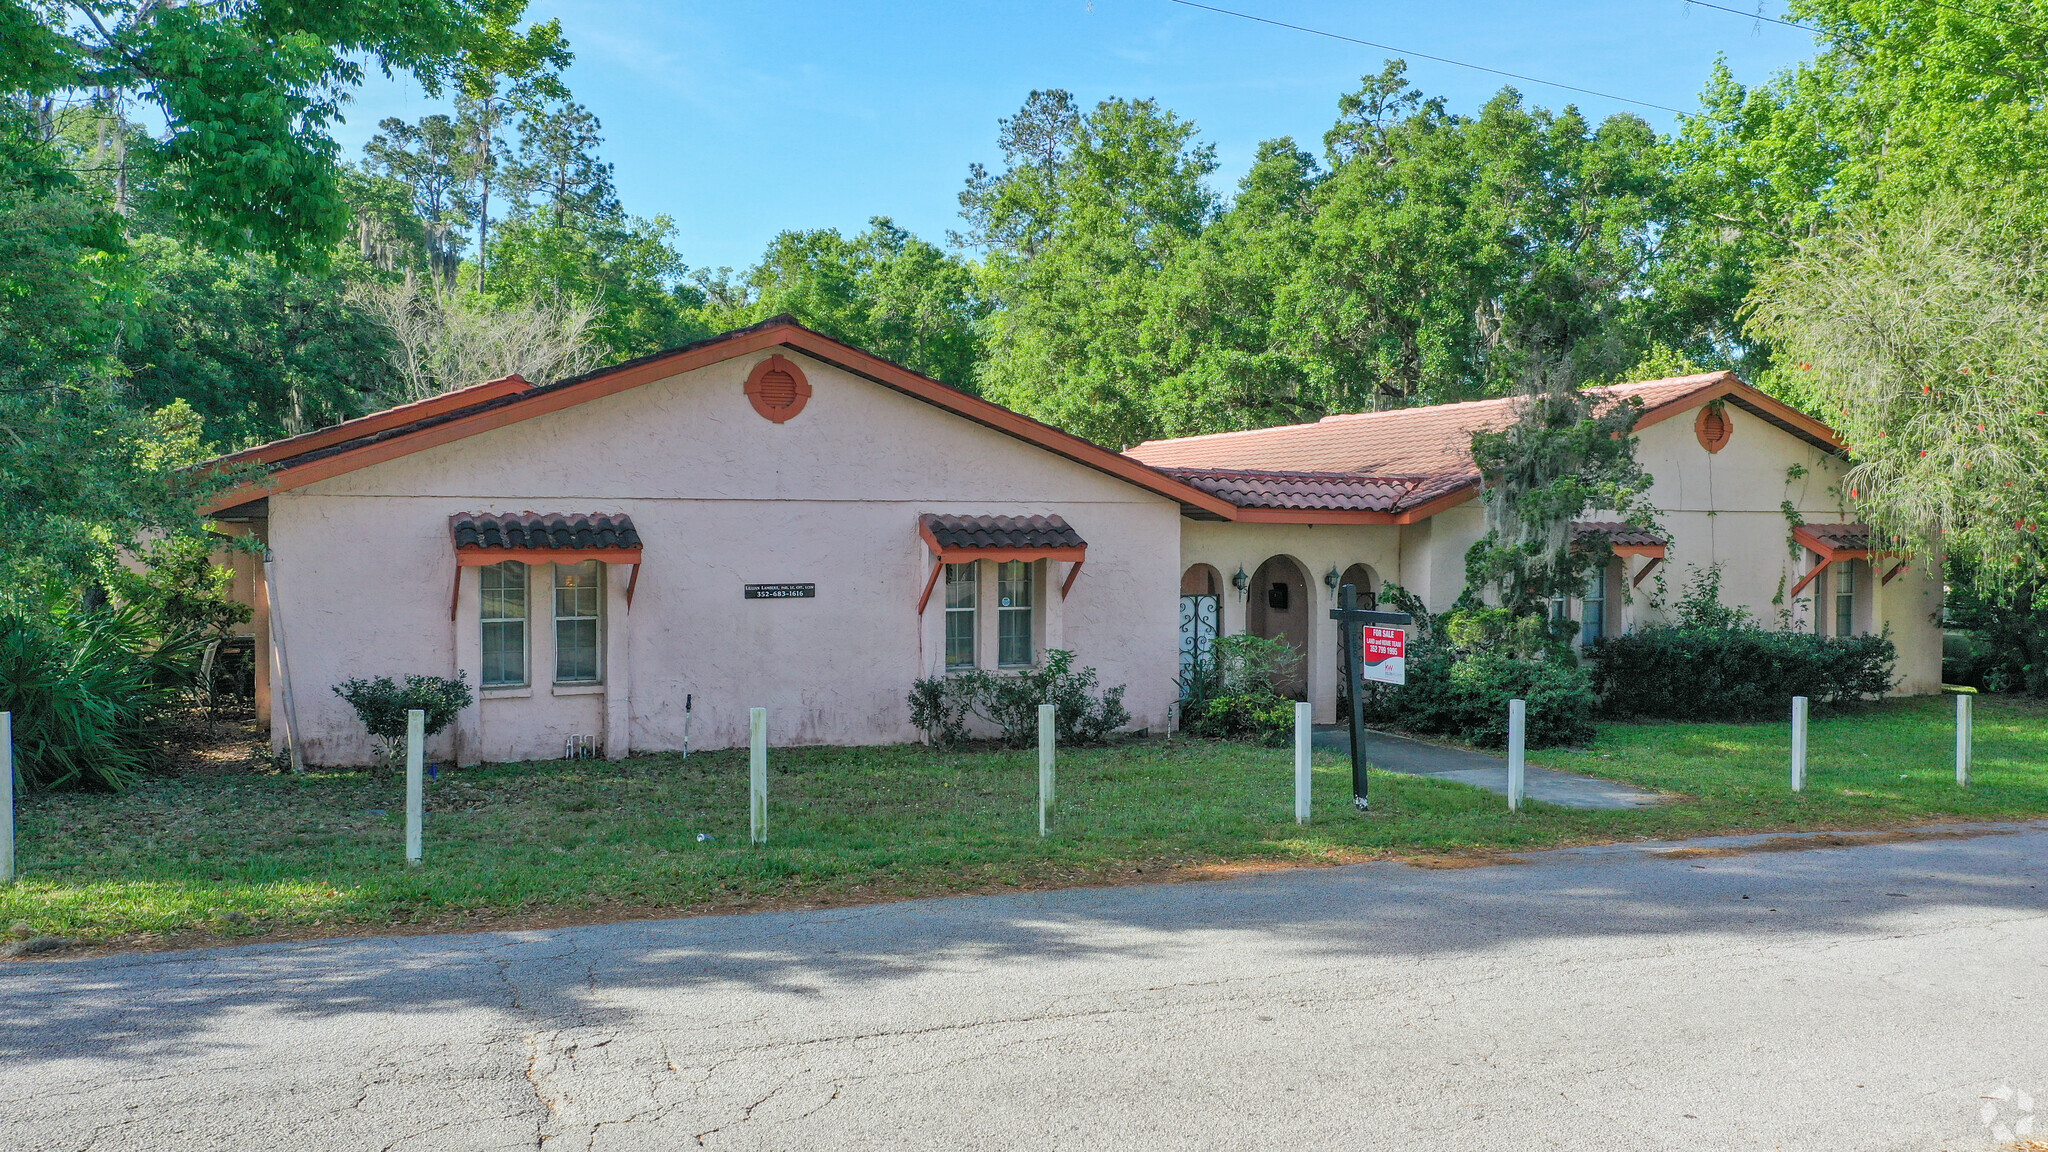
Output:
x=1820 y=604
x=1013 y=614
x=963 y=595
x=579 y=623
x=1845 y=598
x=1593 y=609
x=504 y=624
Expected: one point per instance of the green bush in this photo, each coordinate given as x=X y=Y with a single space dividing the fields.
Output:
x=941 y=705
x=1233 y=693
x=1465 y=695
x=382 y=706
x=1739 y=673
x=1466 y=664
x=89 y=690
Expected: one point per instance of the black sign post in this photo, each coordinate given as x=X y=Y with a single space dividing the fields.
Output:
x=1353 y=619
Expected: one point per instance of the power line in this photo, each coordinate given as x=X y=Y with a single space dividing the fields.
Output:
x=1753 y=15
x=1427 y=56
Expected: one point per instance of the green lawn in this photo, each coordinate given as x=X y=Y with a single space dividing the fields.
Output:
x=243 y=855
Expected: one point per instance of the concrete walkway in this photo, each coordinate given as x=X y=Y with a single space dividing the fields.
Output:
x=1418 y=758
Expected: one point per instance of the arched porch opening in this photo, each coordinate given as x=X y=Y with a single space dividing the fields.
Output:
x=1278 y=609
x=1201 y=621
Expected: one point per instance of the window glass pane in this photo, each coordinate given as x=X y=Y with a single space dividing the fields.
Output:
x=577 y=591
x=1013 y=613
x=1593 y=608
x=503 y=588
x=1013 y=584
x=1845 y=600
x=962 y=589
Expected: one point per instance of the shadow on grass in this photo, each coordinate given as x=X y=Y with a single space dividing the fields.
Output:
x=1348 y=920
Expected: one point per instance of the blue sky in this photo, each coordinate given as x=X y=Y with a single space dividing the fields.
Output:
x=743 y=119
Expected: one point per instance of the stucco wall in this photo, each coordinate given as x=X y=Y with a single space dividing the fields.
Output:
x=1729 y=508
x=1317 y=549
x=1726 y=508
x=721 y=498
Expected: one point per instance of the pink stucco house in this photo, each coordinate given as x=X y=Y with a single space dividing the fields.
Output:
x=773 y=518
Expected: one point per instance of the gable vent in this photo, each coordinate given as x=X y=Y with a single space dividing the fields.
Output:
x=1713 y=428
x=777 y=388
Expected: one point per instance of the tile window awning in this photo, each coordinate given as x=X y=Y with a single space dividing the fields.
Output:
x=1626 y=539
x=488 y=538
x=1834 y=543
x=960 y=539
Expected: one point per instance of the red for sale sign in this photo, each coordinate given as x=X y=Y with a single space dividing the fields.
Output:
x=1386 y=655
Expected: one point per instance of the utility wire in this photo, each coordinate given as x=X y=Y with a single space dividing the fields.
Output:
x=1427 y=56
x=1752 y=15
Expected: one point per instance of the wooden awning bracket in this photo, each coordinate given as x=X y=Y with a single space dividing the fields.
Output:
x=1647 y=569
x=1809 y=577
x=1071 y=573
x=632 y=582
x=1896 y=569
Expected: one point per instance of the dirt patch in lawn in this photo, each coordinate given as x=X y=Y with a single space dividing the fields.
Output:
x=1832 y=840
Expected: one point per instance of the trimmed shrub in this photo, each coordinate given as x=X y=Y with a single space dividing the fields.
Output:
x=941 y=705
x=1739 y=673
x=1232 y=694
x=1466 y=696
x=382 y=706
x=89 y=690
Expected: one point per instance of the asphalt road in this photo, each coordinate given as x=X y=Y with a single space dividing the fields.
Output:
x=1879 y=997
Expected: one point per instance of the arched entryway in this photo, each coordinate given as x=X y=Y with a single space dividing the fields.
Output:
x=1201 y=620
x=1362 y=577
x=1277 y=608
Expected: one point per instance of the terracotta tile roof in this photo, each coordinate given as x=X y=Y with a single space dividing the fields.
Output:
x=967 y=533
x=1619 y=534
x=479 y=531
x=1840 y=537
x=1436 y=440
x=1334 y=491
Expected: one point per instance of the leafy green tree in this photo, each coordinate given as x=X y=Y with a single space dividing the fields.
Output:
x=1923 y=340
x=425 y=159
x=1088 y=210
x=557 y=162
x=1212 y=325
x=883 y=290
x=623 y=268
x=243 y=95
x=1451 y=256
x=258 y=350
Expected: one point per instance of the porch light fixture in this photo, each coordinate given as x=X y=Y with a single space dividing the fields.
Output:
x=1240 y=581
x=1332 y=577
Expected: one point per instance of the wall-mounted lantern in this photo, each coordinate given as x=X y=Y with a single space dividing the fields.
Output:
x=1241 y=581
x=1333 y=578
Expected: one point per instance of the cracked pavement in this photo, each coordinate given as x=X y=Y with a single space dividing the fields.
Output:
x=1603 y=998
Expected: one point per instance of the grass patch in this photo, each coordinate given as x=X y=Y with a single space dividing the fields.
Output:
x=181 y=860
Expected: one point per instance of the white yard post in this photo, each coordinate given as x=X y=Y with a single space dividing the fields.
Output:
x=1518 y=728
x=1304 y=714
x=7 y=797
x=1964 y=723
x=1045 y=739
x=415 y=784
x=1799 y=743
x=757 y=775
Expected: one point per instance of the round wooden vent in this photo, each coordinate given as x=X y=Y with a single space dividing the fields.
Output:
x=777 y=388
x=1713 y=428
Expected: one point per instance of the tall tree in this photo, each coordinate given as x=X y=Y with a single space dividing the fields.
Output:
x=1087 y=212
x=884 y=290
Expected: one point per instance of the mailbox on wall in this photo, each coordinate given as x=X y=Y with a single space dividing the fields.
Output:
x=1276 y=597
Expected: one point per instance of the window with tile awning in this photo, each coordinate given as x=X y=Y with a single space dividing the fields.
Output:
x=959 y=544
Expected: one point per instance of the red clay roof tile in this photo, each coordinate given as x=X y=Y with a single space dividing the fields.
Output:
x=966 y=533
x=483 y=531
